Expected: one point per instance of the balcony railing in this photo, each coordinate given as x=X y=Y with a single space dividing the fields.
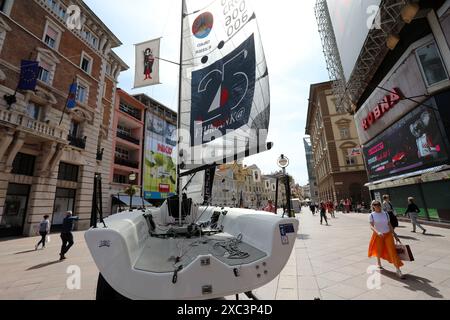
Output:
x=77 y=142
x=128 y=138
x=32 y=126
x=131 y=111
x=126 y=163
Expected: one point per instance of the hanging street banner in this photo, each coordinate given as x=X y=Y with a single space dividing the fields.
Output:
x=147 y=63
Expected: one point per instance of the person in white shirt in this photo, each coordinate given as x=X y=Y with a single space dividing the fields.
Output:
x=44 y=230
x=382 y=245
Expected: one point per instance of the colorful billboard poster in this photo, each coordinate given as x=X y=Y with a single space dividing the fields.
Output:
x=160 y=159
x=414 y=143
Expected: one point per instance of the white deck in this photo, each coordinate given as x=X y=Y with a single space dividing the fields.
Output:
x=159 y=255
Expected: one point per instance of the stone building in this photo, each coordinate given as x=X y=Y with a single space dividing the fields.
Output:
x=338 y=162
x=47 y=165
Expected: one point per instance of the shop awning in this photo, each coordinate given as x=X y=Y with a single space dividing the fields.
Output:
x=409 y=175
x=136 y=201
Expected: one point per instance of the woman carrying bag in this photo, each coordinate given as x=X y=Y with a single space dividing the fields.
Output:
x=382 y=245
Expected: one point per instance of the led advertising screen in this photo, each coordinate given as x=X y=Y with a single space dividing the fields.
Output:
x=412 y=144
x=352 y=21
x=160 y=158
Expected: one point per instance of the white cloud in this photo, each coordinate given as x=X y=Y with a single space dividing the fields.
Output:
x=291 y=44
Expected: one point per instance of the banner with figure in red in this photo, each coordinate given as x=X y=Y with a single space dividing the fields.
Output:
x=147 y=63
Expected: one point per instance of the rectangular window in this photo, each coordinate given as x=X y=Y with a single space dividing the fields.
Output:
x=122 y=153
x=45 y=74
x=345 y=133
x=124 y=130
x=81 y=93
x=431 y=63
x=24 y=164
x=74 y=128
x=68 y=172
x=86 y=64
x=57 y=8
x=51 y=37
x=349 y=159
x=2 y=5
x=90 y=38
x=33 y=111
x=118 y=178
x=135 y=113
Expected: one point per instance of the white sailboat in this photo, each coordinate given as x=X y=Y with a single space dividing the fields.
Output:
x=187 y=249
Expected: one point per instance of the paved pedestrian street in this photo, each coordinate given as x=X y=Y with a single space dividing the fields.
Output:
x=329 y=263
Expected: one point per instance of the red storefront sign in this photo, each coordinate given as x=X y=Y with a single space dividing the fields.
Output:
x=389 y=102
x=164 y=188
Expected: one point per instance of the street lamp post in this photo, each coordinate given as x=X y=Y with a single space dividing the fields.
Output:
x=283 y=163
x=131 y=179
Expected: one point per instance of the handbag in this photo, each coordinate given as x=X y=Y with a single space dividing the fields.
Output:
x=393 y=219
x=404 y=252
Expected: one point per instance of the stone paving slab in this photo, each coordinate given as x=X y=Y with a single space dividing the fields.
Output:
x=329 y=263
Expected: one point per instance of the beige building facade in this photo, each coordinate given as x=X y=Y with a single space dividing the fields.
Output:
x=338 y=162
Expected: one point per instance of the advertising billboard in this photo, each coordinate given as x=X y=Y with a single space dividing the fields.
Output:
x=352 y=21
x=414 y=143
x=159 y=158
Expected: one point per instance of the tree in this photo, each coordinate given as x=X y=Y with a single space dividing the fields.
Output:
x=131 y=191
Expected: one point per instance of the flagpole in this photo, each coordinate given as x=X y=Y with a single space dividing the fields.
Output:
x=179 y=190
x=67 y=101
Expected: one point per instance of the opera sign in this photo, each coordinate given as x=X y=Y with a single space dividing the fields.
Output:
x=389 y=102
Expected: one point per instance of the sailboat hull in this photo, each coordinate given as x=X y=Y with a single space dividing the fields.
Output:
x=142 y=267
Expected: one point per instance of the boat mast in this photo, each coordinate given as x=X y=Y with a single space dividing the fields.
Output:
x=179 y=187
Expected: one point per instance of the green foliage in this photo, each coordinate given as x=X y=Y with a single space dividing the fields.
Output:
x=131 y=191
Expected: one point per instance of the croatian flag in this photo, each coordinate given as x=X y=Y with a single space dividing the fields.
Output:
x=72 y=98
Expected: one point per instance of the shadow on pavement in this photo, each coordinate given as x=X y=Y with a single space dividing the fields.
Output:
x=23 y=252
x=415 y=283
x=43 y=265
x=303 y=237
x=434 y=235
x=408 y=238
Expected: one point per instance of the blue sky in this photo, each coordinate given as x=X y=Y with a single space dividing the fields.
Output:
x=293 y=52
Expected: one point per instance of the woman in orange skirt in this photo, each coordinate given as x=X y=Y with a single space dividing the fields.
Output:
x=382 y=245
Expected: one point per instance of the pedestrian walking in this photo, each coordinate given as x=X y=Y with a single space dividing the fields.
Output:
x=44 y=230
x=382 y=245
x=389 y=208
x=312 y=207
x=347 y=205
x=323 y=213
x=66 y=234
x=331 y=209
x=413 y=211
